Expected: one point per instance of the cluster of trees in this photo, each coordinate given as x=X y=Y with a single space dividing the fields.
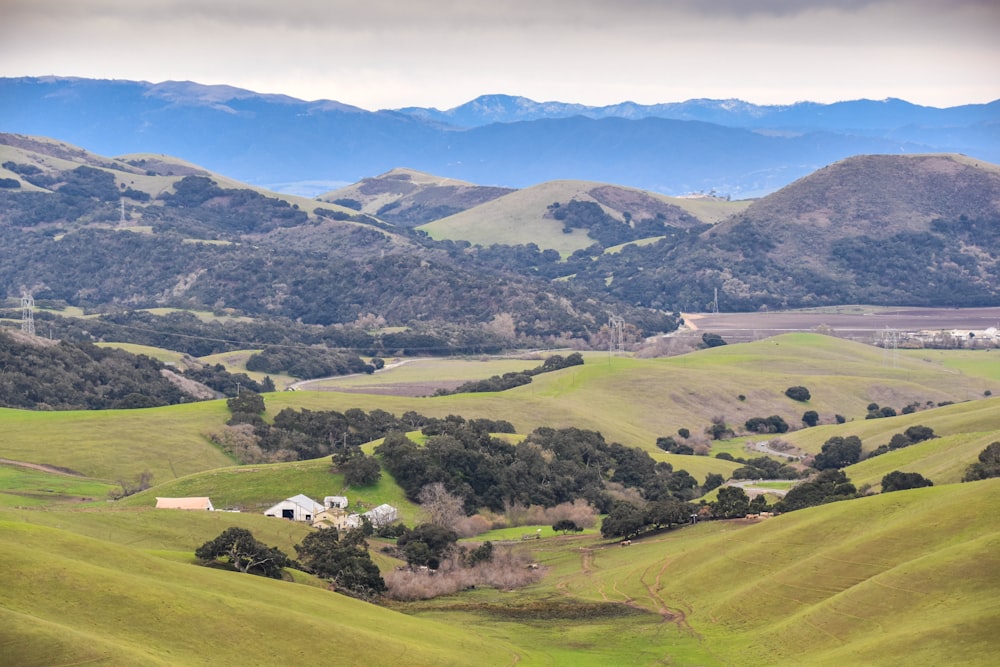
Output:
x=516 y=379
x=229 y=211
x=76 y=374
x=551 y=466
x=763 y=467
x=901 y=481
x=798 y=393
x=627 y=519
x=72 y=376
x=772 y=424
x=830 y=485
x=910 y=436
x=606 y=230
x=307 y=362
x=987 y=466
x=306 y=434
x=343 y=561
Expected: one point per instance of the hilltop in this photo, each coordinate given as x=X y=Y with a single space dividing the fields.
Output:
x=885 y=230
x=410 y=198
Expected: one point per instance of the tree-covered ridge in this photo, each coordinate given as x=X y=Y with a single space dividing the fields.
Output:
x=68 y=375
x=330 y=270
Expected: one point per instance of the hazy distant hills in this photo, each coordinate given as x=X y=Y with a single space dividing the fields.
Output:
x=871 y=116
x=730 y=147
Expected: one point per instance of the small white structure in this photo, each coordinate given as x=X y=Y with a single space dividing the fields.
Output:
x=296 y=508
x=335 y=501
x=194 y=503
x=382 y=515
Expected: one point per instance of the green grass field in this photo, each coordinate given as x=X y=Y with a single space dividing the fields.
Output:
x=906 y=576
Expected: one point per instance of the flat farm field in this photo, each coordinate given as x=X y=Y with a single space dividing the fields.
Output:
x=861 y=323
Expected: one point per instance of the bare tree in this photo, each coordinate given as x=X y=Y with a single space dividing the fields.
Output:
x=443 y=508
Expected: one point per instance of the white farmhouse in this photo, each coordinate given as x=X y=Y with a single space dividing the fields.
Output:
x=296 y=508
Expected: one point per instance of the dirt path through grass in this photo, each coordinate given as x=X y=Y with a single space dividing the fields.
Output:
x=55 y=470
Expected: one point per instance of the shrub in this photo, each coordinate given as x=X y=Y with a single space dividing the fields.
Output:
x=798 y=393
x=900 y=481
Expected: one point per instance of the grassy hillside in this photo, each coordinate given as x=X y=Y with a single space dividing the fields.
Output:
x=632 y=401
x=909 y=576
x=641 y=399
x=114 y=444
x=521 y=216
x=78 y=600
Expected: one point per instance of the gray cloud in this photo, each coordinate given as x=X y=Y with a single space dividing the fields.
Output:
x=443 y=52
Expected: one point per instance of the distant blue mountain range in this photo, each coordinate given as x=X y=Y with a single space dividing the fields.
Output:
x=727 y=146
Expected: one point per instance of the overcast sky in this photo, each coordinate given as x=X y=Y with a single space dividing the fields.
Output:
x=393 y=53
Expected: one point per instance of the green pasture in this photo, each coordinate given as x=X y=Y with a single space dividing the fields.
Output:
x=941 y=460
x=24 y=487
x=631 y=401
x=73 y=599
x=159 y=353
x=236 y=362
x=118 y=444
x=432 y=370
x=517 y=218
x=978 y=363
x=977 y=416
x=848 y=583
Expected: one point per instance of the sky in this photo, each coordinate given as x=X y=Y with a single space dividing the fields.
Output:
x=379 y=54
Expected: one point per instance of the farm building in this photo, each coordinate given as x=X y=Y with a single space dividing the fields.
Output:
x=382 y=515
x=335 y=517
x=195 y=503
x=296 y=508
x=335 y=501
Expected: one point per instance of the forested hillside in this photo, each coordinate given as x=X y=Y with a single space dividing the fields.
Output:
x=109 y=235
x=48 y=375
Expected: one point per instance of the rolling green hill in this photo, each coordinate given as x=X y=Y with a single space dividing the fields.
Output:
x=905 y=576
x=76 y=599
x=632 y=401
x=523 y=216
x=908 y=575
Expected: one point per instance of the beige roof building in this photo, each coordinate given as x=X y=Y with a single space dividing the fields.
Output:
x=184 y=504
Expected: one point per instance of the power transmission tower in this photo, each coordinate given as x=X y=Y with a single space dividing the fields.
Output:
x=121 y=220
x=27 y=313
x=715 y=302
x=617 y=326
x=889 y=340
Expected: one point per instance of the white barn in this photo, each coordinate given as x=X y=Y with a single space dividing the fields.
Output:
x=335 y=501
x=296 y=508
x=382 y=515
